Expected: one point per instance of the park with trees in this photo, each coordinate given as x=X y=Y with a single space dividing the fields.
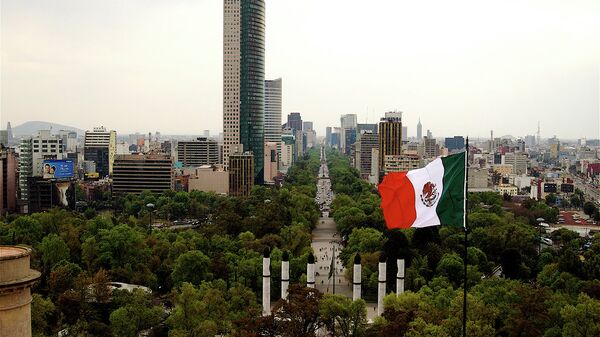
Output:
x=206 y=281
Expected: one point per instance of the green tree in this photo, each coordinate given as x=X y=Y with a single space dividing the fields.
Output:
x=551 y=199
x=299 y=314
x=452 y=267
x=53 y=250
x=582 y=319
x=349 y=317
x=42 y=315
x=138 y=314
x=589 y=208
x=26 y=230
x=187 y=315
x=190 y=267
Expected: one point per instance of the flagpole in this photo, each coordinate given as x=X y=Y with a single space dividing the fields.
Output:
x=466 y=204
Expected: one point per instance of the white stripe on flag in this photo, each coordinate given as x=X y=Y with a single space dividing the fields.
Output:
x=433 y=172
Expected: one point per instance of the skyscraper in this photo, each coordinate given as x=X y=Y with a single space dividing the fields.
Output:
x=419 y=130
x=273 y=111
x=100 y=146
x=390 y=136
x=244 y=79
x=294 y=121
x=9 y=133
x=348 y=122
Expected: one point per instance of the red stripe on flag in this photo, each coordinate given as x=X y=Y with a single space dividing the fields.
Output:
x=398 y=200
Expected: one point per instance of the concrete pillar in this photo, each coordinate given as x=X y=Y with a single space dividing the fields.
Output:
x=356 y=281
x=16 y=280
x=266 y=290
x=310 y=271
x=400 y=277
x=382 y=281
x=285 y=274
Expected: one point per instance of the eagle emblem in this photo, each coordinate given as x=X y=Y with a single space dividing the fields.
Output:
x=429 y=194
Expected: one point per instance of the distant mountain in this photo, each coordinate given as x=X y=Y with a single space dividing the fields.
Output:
x=31 y=128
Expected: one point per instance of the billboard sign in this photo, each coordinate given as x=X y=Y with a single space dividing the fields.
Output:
x=549 y=188
x=57 y=169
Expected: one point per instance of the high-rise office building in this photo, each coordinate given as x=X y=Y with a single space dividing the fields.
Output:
x=201 y=151
x=455 y=143
x=100 y=146
x=347 y=122
x=32 y=153
x=307 y=126
x=241 y=174
x=431 y=149
x=328 y=136
x=372 y=128
x=419 y=130
x=8 y=180
x=390 y=136
x=273 y=110
x=294 y=121
x=350 y=138
x=69 y=140
x=244 y=79
x=365 y=144
x=405 y=133
x=134 y=173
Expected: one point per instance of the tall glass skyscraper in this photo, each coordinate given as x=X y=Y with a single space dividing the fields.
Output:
x=244 y=79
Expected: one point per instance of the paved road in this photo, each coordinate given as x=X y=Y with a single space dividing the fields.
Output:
x=588 y=189
x=325 y=238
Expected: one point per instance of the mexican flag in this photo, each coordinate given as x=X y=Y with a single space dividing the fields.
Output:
x=430 y=196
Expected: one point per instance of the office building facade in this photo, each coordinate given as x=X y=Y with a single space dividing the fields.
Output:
x=390 y=136
x=133 y=173
x=273 y=110
x=244 y=79
x=100 y=146
x=363 y=152
x=8 y=180
x=294 y=121
x=241 y=174
x=348 y=122
x=455 y=143
x=32 y=153
x=202 y=151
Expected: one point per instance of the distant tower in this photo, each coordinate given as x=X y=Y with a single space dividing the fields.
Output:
x=492 y=147
x=538 y=134
x=9 y=133
x=419 y=130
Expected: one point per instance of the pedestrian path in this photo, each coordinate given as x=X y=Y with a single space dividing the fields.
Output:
x=326 y=242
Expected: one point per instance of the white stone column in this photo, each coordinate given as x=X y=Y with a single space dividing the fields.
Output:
x=400 y=277
x=356 y=281
x=310 y=271
x=285 y=274
x=382 y=281
x=266 y=290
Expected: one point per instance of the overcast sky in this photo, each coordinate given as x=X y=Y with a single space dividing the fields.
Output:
x=463 y=67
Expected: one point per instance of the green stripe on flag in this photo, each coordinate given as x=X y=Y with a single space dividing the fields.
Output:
x=450 y=208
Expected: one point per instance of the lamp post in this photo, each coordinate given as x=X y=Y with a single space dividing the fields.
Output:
x=151 y=207
x=540 y=221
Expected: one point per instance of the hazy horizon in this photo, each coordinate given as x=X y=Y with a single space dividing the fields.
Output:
x=463 y=68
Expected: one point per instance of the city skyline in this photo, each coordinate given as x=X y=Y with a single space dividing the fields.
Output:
x=124 y=65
